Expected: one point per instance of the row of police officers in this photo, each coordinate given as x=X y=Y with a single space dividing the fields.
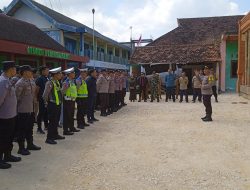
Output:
x=56 y=95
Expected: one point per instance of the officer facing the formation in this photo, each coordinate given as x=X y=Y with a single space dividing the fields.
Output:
x=154 y=87
x=102 y=86
x=25 y=92
x=213 y=79
x=69 y=90
x=82 y=99
x=206 y=90
x=53 y=100
x=8 y=103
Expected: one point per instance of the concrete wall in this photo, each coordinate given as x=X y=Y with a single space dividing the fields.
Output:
x=223 y=66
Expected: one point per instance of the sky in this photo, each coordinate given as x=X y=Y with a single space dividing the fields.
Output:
x=149 y=18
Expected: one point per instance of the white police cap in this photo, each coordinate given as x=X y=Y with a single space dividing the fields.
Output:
x=83 y=70
x=55 y=70
x=70 y=70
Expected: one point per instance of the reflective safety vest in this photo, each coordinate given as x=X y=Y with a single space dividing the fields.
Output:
x=71 y=92
x=56 y=89
x=82 y=92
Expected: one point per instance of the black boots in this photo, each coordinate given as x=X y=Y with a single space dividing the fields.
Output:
x=3 y=164
x=207 y=118
x=31 y=145
x=10 y=158
x=23 y=151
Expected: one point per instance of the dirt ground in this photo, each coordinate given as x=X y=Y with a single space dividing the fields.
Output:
x=146 y=146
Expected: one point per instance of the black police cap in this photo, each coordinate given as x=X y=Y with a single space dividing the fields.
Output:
x=8 y=64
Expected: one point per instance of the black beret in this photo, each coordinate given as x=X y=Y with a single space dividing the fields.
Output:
x=42 y=68
x=26 y=68
x=91 y=71
x=8 y=64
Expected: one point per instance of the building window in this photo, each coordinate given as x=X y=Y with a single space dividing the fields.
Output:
x=234 y=68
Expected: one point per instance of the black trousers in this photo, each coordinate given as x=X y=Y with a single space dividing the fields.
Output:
x=91 y=107
x=117 y=99
x=25 y=123
x=124 y=90
x=104 y=102
x=68 y=115
x=42 y=114
x=214 y=88
x=112 y=101
x=170 y=93
x=7 y=128
x=182 y=93
x=208 y=105
x=82 y=107
x=197 y=93
x=54 y=112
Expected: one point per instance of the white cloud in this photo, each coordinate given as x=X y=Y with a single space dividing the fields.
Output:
x=148 y=17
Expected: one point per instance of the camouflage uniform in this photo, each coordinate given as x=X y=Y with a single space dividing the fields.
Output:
x=154 y=87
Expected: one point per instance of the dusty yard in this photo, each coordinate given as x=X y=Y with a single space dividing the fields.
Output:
x=146 y=146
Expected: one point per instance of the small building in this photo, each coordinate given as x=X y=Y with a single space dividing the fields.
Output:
x=76 y=37
x=196 y=42
x=26 y=44
x=244 y=57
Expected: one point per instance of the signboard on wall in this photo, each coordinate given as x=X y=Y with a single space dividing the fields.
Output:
x=47 y=53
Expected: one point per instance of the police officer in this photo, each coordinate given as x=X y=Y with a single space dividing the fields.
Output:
x=102 y=86
x=111 y=93
x=70 y=94
x=82 y=99
x=25 y=92
x=206 y=90
x=8 y=103
x=53 y=100
x=213 y=79
x=40 y=86
x=91 y=84
x=124 y=79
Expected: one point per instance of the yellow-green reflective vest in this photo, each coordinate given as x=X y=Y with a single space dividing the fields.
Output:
x=56 y=89
x=82 y=92
x=71 y=92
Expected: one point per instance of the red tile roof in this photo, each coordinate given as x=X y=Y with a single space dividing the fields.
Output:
x=195 y=40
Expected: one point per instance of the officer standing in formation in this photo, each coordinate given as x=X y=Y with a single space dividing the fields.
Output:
x=111 y=92
x=8 y=112
x=25 y=93
x=92 y=94
x=40 y=86
x=206 y=90
x=183 y=80
x=102 y=86
x=53 y=100
x=196 y=81
x=82 y=99
x=69 y=91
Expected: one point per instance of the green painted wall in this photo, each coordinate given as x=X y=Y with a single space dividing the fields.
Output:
x=231 y=55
